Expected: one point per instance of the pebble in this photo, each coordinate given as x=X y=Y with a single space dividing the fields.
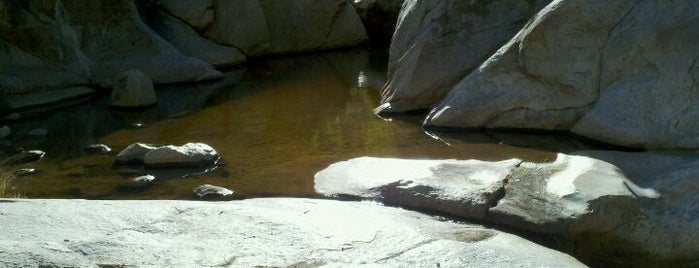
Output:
x=98 y=148
x=5 y=132
x=144 y=178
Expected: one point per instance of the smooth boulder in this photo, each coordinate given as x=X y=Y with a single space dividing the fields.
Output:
x=589 y=204
x=270 y=27
x=189 y=42
x=621 y=72
x=187 y=155
x=274 y=232
x=437 y=43
x=133 y=89
x=73 y=43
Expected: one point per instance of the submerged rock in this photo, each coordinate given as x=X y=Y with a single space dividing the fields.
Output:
x=275 y=232
x=209 y=191
x=98 y=148
x=586 y=201
x=37 y=132
x=24 y=157
x=5 y=132
x=133 y=89
x=188 y=155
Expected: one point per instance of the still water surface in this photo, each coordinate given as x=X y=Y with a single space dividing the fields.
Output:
x=275 y=124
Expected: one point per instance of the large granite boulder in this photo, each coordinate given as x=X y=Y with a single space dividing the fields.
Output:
x=185 y=37
x=279 y=232
x=438 y=42
x=264 y=27
x=588 y=204
x=95 y=41
x=622 y=72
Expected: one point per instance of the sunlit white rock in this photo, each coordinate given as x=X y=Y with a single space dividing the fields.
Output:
x=275 y=232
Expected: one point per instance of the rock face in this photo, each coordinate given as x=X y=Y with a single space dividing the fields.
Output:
x=133 y=89
x=582 y=200
x=184 y=36
x=52 y=45
x=252 y=233
x=264 y=27
x=78 y=43
x=621 y=72
x=437 y=43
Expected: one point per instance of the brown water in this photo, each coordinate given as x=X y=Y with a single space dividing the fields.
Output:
x=274 y=124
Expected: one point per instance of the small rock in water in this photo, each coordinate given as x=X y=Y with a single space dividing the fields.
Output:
x=98 y=148
x=23 y=172
x=24 y=157
x=5 y=132
x=134 y=153
x=208 y=190
x=188 y=155
x=13 y=116
x=144 y=178
x=137 y=125
x=39 y=132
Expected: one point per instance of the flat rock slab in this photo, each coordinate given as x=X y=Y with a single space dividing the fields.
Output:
x=279 y=232
x=461 y=188
x=590 y=204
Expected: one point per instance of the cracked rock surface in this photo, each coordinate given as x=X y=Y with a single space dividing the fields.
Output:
x=622 y=72
x=278 y=232
x=597 y=211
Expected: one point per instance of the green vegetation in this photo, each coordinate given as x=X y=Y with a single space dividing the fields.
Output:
x=5 y=186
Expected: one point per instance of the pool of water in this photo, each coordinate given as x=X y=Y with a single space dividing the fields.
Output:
x=275 y=124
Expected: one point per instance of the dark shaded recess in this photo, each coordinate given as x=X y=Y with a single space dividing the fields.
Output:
x=379 y=24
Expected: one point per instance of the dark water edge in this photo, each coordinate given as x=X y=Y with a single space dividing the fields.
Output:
x=275 y=123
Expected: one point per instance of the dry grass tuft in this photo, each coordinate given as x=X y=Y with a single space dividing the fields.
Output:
x=5 y=186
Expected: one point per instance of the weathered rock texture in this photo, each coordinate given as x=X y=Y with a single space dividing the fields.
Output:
x=251 y=233
x=133 y=89
x=603 y=216
x=622 y=72
x=68 y=43
x=264 y=27
x=55 y=44
x=438 y=42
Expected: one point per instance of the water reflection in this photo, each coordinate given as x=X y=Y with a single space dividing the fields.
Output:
x=274 y=124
